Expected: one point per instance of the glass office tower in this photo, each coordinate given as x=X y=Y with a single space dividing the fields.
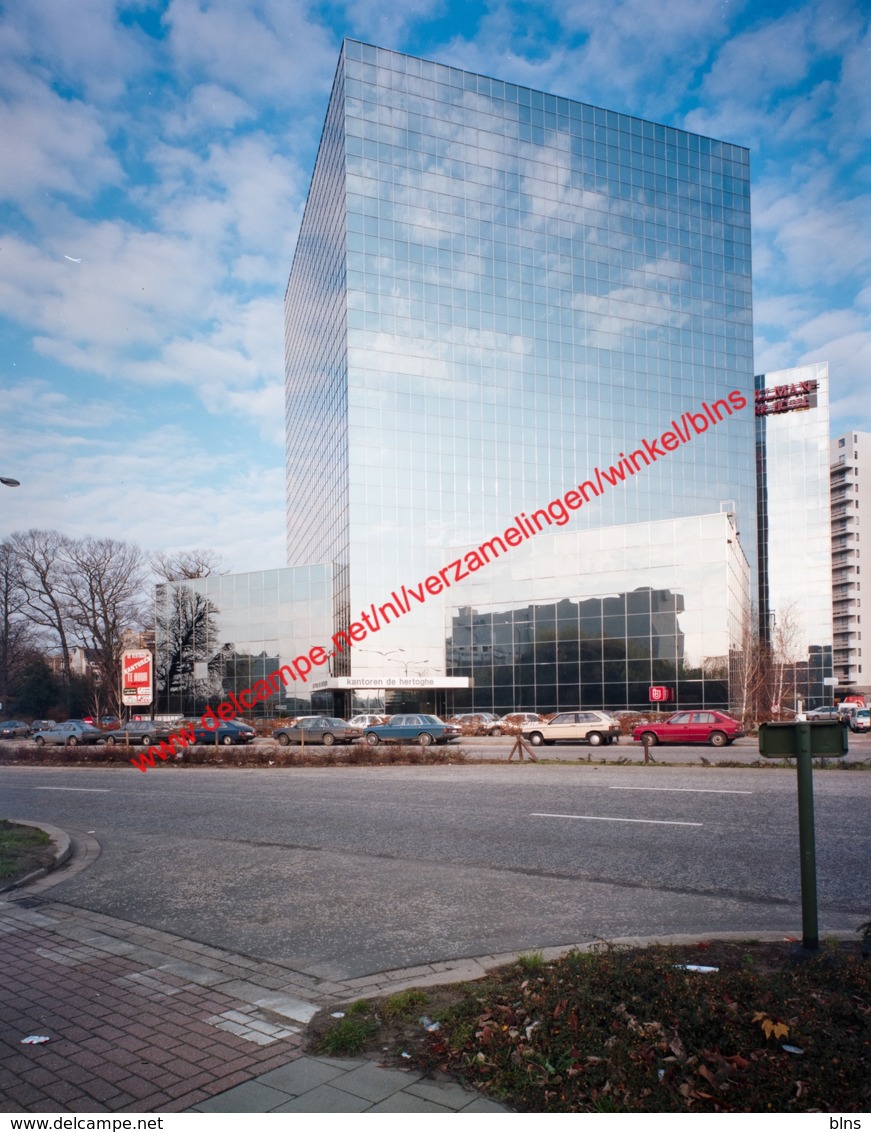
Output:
x=494 y=292
x=795 y=531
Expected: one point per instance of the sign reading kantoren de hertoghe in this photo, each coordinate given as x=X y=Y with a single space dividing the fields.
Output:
x=137 y=677
x=336 y=683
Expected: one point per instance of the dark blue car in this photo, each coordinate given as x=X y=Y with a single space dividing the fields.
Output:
x=227 y=735
x=423 y=729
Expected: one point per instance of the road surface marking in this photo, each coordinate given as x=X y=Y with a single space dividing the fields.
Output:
x=639 y=821
x=680 y=790
x=78 y=789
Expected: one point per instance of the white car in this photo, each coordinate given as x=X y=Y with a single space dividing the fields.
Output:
x=593 y=727
x=367 y=720
x=861 y=720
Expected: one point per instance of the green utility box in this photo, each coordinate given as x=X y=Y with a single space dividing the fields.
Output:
x=828 y=740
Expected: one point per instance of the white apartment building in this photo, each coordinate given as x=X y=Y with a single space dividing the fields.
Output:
x=851 y=524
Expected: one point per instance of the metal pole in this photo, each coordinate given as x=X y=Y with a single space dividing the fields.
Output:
x=807 y=848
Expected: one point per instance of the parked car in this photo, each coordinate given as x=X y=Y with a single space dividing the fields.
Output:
x=144 y=731
x=514 y=722
x=70 y=734
x=365 y=721
x=861 y=720
x=714 y=727
x=423 y=729
x=230 y=733
x=110 y=722
x=42 y=725
x=323 y=729
x=477 y=722
x=593 y=727
x=14 y=729
x=823 y=713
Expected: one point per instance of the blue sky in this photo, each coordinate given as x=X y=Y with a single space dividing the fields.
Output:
x=155 y=159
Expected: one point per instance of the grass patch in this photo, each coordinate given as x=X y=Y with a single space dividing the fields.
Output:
x=405 y=1004
x=22 y=849
x=633 y=1031
x=348 y=1036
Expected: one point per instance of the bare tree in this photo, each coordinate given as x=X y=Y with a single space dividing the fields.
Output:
x=16 y=634
x=40 y=558
x=103 y=586
x=786 y=655
x=187 y=564
x=747 y=669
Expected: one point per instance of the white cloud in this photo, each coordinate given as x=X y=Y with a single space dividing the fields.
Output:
x=83 y=44
x=49 y=144
x=263 y=49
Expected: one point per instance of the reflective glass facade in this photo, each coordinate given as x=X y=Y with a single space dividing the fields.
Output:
x=794 y=522
x=494 y=290
x=220 y=634
x=596 y=618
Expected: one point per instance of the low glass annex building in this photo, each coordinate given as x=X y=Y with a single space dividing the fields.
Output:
x=219 y=635
x=498 y=294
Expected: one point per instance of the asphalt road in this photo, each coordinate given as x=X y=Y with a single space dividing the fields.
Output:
x=343 y=872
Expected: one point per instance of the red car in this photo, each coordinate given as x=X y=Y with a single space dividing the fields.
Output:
x=714 y=727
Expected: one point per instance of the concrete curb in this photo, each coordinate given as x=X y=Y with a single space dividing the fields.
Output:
x=63 y=851
x=467 y=970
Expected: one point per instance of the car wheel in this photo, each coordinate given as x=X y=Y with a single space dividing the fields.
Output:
x=111 y=741
x=536 y=739
x=328 y=739
x=227 y=741
x=72 y=741
x=425 y=739
x=595 y=739
x=372 y=739
x=146 y=740
x=650 y=738
x=717 y=739
x=497 y=731
x=284 y=740
x=40 y=742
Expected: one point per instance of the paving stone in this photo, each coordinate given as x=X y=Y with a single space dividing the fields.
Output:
x=406 y=1102
x=373 y=1082
x=482 y=1104
x=250 y=1097
x=325 y=1099
x=303 y=1074
x=446 y=1093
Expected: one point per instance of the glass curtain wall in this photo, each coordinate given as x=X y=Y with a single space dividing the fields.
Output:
x=532 y=285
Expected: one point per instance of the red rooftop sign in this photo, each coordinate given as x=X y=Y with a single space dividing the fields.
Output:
x=786 y=398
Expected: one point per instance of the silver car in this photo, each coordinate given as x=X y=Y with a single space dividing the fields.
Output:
x=70 y=734
x=324 y=729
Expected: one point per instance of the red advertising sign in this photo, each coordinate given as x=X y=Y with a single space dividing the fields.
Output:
x=660 y=695
x=137 y=677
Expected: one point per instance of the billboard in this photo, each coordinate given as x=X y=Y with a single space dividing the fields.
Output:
x=137 y=677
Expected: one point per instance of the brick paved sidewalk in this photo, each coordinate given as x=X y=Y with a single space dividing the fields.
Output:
x=138 y=1020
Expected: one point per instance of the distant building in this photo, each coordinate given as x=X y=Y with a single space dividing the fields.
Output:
x=851 y=522
x=794 y=527
x=83 y=662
